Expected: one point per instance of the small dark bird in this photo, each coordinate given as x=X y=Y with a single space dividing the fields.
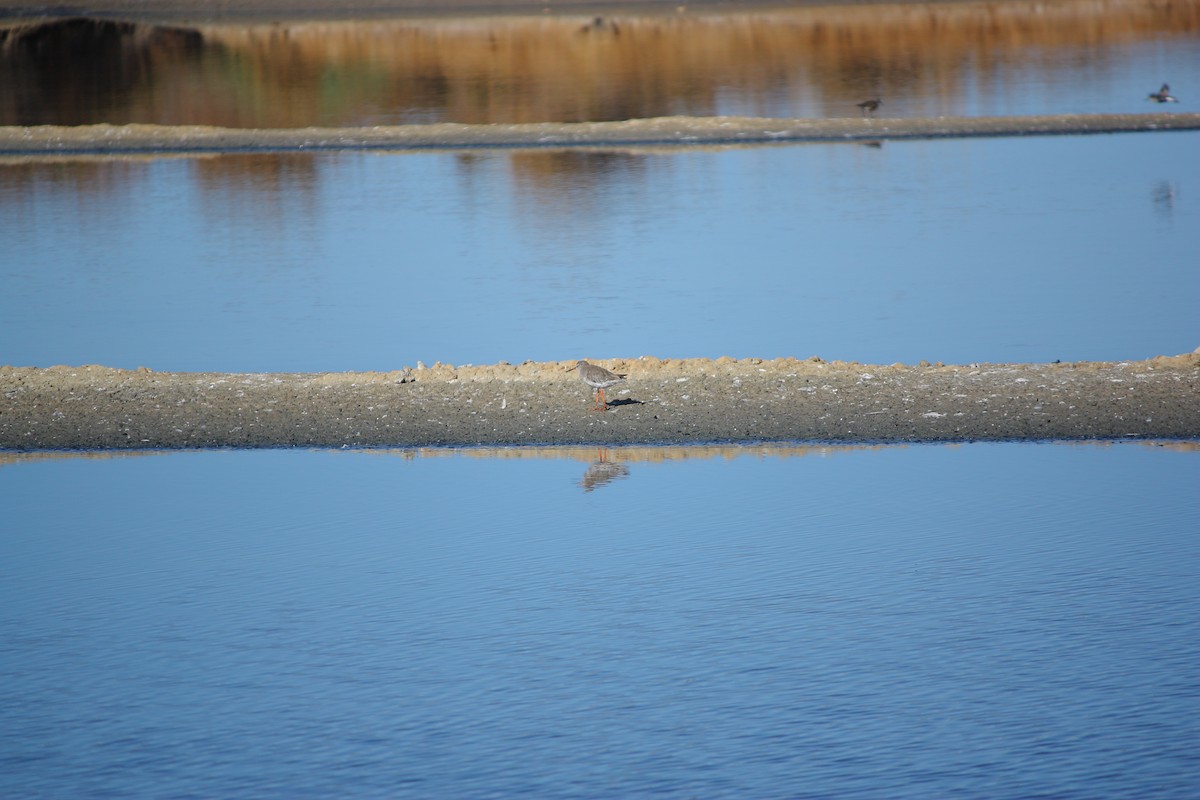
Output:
x=1163 y=95
x=870 y=106
x=601 y=25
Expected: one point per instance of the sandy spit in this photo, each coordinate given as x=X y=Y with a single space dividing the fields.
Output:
x=678 y=131
x=663 y=401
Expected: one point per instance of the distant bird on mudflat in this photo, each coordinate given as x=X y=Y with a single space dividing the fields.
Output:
x=1163 y=95
x=599 y=379
x=870 y=106
x=601 y=25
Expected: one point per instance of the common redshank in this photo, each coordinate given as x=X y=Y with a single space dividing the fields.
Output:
x=599 y=379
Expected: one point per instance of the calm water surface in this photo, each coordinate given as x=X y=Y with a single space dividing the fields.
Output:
x=783 y=622
x=959 y=251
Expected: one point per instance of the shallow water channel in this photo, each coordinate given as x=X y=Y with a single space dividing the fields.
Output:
x=1028 y=249
x=931 y=621
x=1025 y=249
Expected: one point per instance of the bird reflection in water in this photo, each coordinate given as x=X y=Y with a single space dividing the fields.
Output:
x=602 y=471
x=1163 y=196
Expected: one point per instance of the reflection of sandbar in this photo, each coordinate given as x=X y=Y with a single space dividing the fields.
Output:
x=673 y=401
x=625 y=454
x=676 y=131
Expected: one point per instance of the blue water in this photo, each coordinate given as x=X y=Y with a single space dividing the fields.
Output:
x=988 y=621
x=972 y=250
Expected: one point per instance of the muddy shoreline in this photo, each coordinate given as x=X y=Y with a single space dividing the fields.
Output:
x=664 y=401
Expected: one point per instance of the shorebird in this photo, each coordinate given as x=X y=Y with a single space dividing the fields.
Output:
x=870 y=106
x=599 y=379
x=1163 y=95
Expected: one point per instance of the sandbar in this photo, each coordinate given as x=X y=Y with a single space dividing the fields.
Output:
x=662 y=402
x=115 y=140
